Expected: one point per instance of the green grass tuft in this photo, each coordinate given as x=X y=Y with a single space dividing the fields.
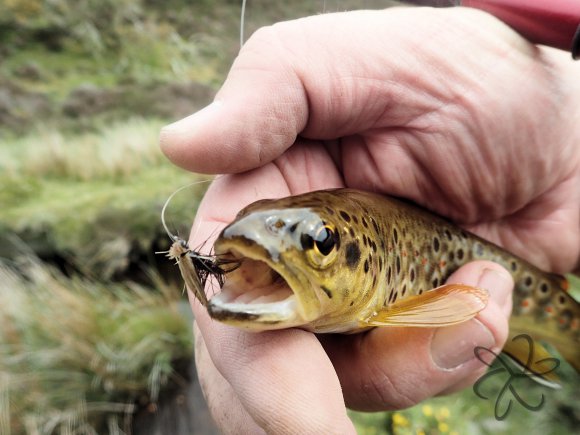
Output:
x=75 y=352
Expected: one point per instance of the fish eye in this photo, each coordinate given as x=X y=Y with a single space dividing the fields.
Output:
x=325 y=240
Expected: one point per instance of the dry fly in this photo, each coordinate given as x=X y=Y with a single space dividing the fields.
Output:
x=195 y=267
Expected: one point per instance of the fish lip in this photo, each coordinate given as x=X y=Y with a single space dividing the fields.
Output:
x=258 y=316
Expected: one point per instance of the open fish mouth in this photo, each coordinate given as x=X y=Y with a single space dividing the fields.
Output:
x=256 y=294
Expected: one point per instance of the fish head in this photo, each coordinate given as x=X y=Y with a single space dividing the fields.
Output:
x=292 y=271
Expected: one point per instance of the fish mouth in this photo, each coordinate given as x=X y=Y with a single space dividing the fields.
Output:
x=259 y=294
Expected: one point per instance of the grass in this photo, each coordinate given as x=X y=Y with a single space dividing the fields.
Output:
x=76 y=354
x=93 y=199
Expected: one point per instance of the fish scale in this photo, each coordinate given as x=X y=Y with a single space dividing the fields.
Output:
x=349 y=256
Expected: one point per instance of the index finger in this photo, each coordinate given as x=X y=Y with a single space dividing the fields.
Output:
x=284 y=379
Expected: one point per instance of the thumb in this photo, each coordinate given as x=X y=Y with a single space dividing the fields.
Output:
x=390 y=368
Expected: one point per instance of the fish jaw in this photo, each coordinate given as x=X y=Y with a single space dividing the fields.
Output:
x=261 y=294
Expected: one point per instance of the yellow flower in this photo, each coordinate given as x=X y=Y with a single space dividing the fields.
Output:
x=420 y=432
x=400 y=420
x=443 y=427
x=443 y=413
x=427 y=410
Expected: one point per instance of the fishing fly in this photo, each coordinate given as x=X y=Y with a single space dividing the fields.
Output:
x=195 y=267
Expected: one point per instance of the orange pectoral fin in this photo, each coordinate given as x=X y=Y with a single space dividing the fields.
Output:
x=444 y=306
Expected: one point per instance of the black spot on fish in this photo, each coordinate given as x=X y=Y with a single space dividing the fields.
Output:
x=448 y=235
x=436 y=244
x=412 y=275
x=404 y=290
x=460 y=254
x=478 y=249
x=420 y=291
x=395 y=236
x=351 y=303
x=398 y=263
x=355 y=219
x=374 y=281
x=528 y=282
x=513 y=266
x=435 y=282
x=380 y=264
x=351 y=231
x=364 y=222
x=395 y=297
x=562 y=300
x=293 y=227
x=373 y=246
x=327 y=291
x=352 y=254
x=452 y=256
x=365 y=240
x=543 y=287
x=366 y=266
x=464 y=234
x=329 y=210
x=375 y=225
x=382 y=245
x=344 y=215
x=389 y=274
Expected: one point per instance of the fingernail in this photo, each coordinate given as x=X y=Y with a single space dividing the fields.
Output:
x=499 y=283
x=187 y=123
x=453 y=346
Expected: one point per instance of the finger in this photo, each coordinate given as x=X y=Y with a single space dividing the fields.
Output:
x=287 y=81
x=284 y=380
x=389 y=368
x=221 y=399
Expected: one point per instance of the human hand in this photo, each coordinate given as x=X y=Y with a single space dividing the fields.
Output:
x=448 y=108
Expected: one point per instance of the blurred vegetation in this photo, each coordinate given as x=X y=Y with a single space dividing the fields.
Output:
x=84 y=88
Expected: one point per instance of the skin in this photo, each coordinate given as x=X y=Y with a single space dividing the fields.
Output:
x=449 y=108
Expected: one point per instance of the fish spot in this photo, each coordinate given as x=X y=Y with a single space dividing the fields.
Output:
x=404 y=290
x=513 y=266
x=395 y=297
x=351 y=303
x=381 y=264
x=448 y=235
x=395 y=236
x=374 y=281
x=293 y=227
x=352 y=254
x=364 y=222
x=375 y=225
x=373 y=245
x=398 y=263
x=351 y=231
x=366 y=266
x=365 y=241
x=327 y=291
x=344 y=215
x=561 y=299
x=451 y=256
x=389 y=274
x=420 y=291
x=543 y=287
x=435 y=282
x=329 y=210
x=528 y=282
x=412 y=275
x=436 y=244
x=355 y=219
x=460 y=254
x=478 y=249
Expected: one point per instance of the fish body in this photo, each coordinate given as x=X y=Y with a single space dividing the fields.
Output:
x=345 y=260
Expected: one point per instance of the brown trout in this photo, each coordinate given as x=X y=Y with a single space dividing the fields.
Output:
x=344 y=260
